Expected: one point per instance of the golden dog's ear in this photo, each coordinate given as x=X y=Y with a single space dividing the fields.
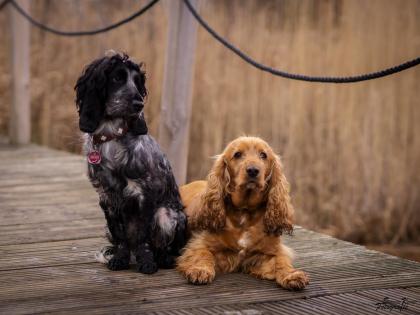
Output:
x=279 y=213
x=212 y=215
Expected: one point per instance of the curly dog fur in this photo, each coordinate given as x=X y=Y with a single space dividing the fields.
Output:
x=236 y=218
x=137 y=190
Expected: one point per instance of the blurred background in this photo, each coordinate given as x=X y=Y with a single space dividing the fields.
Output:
x=351 y=152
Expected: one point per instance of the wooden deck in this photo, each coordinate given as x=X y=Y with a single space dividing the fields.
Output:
x=51 y=225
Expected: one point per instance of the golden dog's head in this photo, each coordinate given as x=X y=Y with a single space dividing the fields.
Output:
x=249 y=175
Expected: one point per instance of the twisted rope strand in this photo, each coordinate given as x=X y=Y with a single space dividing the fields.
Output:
x=79 y=33
x=301 y=77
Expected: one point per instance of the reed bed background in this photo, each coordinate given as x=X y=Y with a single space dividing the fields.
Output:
x=351 y=152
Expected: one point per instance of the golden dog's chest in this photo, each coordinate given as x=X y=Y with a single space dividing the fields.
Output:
x=243 y=232
x=244 y=241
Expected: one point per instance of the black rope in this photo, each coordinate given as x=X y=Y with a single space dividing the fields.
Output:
x=81 y=33
x=301 y=77
x=3 y=4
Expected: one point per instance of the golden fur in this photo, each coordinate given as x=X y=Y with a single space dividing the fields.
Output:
x=236 y=219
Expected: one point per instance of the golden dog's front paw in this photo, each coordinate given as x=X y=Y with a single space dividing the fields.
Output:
x=200 y=276
x=297 y=280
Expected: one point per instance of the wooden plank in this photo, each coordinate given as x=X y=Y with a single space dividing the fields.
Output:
x=416 y=289
x=349 y=303
x=24 y=256
x=51 y=212
x=29 y=151
x=22 y=156
x=50 y=168
x=177 y=87
x=290 y=307
x=20 y=114
x=45 y=187
x=53 y=199
x=36 y=180
x=49 y=175
x=373 y=268
x=338 y=256
x=60 y=195
x=50 y=231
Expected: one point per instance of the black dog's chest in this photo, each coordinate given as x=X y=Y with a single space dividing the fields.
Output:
x=113 y=154
x=107 y=174
x=121 y=163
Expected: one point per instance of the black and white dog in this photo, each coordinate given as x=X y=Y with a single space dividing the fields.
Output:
x=136 y=187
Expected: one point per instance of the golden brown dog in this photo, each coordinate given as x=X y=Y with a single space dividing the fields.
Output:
x=236 y=218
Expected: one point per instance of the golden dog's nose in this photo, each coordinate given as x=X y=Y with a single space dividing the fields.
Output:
x=252 y=171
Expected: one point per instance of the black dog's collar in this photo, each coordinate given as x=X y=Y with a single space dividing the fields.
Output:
x=94 y=156
x=104 y=137
x=135 y=126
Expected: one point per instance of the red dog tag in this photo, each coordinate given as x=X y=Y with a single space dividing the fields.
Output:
x=94 y=157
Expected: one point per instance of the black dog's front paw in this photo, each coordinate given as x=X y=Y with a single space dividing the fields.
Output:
x=118 y=264
x=147 y=267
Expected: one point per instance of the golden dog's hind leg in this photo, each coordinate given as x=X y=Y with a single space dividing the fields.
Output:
x=197 y=263
x=287 y=276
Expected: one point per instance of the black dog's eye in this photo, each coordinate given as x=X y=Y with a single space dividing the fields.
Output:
x=119 y=76
x=237 y=155
x=263 y=155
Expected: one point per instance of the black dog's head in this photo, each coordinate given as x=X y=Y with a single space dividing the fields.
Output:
x=111 y=87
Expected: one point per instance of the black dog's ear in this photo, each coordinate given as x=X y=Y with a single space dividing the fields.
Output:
x=138 y=126
x=90 y=95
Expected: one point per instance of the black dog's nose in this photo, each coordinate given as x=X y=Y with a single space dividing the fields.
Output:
x=252 y=171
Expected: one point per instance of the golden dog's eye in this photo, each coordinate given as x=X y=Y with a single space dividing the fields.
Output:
x=237 y=155
x=263 y=155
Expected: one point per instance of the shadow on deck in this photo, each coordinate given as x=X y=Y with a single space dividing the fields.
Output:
x=51 y=225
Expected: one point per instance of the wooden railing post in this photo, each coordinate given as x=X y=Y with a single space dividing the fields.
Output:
x=177 y=87
x=20 y=114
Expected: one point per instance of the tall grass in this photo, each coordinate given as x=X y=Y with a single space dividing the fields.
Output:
x=351 y=152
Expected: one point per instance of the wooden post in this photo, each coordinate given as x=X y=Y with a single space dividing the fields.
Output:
x=177 y=86
x=20 y=114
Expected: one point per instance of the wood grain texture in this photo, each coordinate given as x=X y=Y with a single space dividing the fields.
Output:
x=178 y=86
x=51 y=226
x=20 y=112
